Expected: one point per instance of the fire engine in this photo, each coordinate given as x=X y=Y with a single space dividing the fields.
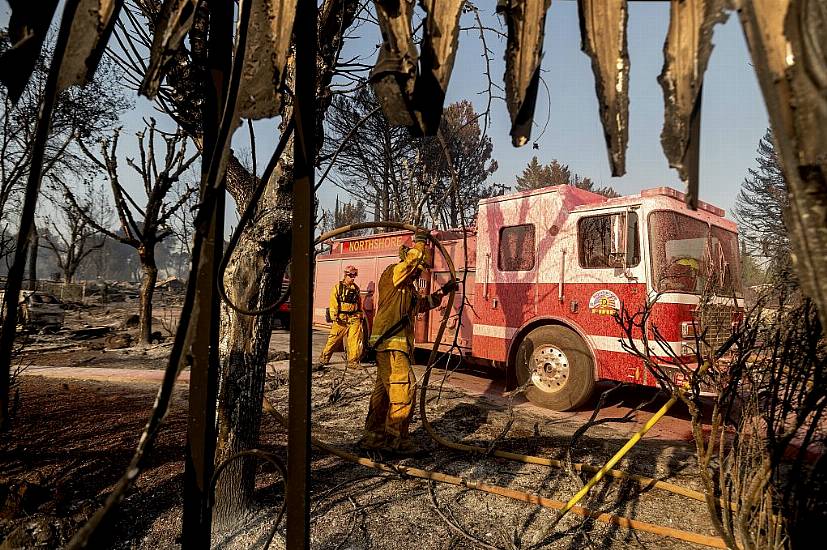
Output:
x=547 y=270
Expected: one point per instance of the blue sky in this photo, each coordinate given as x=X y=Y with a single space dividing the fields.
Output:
x=733 y=117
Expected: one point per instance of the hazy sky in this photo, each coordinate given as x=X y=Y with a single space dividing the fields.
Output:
x=733 y=115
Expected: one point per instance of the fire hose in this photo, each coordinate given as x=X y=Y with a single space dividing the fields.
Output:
x=563 y=507
x=523 y=496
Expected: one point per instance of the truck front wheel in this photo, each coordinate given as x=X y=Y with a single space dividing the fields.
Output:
x=556 y=367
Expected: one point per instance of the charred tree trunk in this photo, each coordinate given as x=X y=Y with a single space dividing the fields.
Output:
x=253 y=279
x=34 y=241
x=148 y=280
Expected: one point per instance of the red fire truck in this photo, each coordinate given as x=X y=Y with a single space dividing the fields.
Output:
x=547 y=270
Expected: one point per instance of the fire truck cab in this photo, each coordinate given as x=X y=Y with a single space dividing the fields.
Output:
x=547 y=271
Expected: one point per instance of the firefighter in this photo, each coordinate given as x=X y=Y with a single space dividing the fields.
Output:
x=346 y=315
x=394 y=393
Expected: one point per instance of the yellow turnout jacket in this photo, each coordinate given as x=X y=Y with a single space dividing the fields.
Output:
x=344 y=299
x=398 y=299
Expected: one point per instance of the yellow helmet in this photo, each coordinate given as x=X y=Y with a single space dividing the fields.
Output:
x=420 y=254
x=689 y=262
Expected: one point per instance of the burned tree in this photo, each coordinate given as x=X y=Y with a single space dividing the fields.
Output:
x=760 y=450
x=345 y=213
x=255 y=272
x=406 y=178
x=69 y=235
x=81 y=114
x=181 y=224
x=254 y=276
x=143 y=226
x=370 y=154
x=454 y=167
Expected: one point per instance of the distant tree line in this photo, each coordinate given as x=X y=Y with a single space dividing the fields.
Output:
x=537 y=175
x=113 y=261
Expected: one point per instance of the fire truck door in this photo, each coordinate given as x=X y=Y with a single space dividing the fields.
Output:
x=439 y=278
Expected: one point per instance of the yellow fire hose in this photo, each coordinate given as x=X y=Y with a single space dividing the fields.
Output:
x=571 y=504
x=611 y=519
x=643 y=481
x=629 y=444
x=619 y=455
x=615 y=459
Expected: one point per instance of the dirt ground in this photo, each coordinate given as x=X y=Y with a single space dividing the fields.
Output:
x=71 y=440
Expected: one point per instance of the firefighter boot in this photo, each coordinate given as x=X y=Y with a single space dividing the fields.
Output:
x=404 y=447
x=371 y=442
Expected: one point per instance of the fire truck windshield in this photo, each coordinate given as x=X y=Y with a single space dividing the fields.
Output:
x=689 y=255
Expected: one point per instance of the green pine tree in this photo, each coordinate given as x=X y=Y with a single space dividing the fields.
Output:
x=537 y=175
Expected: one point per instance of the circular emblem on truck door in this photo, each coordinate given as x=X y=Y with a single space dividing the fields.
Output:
x=604 y=302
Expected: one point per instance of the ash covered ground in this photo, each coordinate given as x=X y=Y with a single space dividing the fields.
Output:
x=74 y=434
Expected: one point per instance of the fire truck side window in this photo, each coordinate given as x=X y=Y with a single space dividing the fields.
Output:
x=595 y=242
x=516 y=248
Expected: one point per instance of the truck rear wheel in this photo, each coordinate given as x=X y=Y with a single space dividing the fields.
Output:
x=556 y=366
x=284 y=320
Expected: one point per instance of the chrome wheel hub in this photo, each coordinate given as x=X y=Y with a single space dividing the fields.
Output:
x=549 y=368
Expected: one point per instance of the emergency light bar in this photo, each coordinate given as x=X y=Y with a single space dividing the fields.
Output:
x=675 y=194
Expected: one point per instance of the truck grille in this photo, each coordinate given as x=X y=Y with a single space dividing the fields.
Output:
x=715 y=323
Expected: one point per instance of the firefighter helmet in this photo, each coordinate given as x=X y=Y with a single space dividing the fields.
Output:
x=422 y=257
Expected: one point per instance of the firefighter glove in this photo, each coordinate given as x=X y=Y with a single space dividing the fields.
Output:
x=450 y=286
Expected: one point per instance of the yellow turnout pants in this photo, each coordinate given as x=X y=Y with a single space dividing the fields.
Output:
x=349 y=329
x=392 y=401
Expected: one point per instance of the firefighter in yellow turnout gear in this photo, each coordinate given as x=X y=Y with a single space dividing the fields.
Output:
x=394 y=394
x=346 y=315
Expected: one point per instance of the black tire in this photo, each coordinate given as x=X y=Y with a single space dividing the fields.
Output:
x=566 y=380
x=285 y=322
